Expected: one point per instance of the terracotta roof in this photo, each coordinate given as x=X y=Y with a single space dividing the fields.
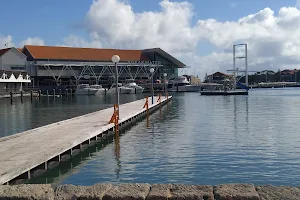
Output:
x=221 y=73
x=3 y=51
x=84 y=54
x=20 y=49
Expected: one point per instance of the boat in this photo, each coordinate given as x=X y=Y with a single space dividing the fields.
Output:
x=181 y=84
x=136 y=89
x=99 y=88
x=85 y=89
x=122 y=89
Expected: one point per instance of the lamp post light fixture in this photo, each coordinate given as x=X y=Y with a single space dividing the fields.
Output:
x=115 y=59
x=165 y=77
x=152 y=90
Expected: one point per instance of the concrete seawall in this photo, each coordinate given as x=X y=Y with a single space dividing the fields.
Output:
x=150 y=192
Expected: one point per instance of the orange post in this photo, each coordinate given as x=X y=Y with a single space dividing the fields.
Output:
x=146 y=105
x=147 y=109
x=159 y=98
x=115 y=118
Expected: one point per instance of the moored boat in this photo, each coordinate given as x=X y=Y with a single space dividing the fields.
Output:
x=85 y=89
x=136 y=89
x=122 y=89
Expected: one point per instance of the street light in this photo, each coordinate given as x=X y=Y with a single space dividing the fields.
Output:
x=165 y=77
x=115 y=59
x=152 y=71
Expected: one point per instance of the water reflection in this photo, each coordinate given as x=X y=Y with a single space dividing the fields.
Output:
x=117 y=154
x=203 y=140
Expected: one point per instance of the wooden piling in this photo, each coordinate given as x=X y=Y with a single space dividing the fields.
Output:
x=11 y=97
x=31 y=95
x=21 y=96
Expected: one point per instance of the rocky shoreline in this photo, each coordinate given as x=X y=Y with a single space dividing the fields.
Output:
x=149 y=192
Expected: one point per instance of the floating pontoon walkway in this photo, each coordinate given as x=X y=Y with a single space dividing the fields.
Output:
x=22 y=154
x=220 y=92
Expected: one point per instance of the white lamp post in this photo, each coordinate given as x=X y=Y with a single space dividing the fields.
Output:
x=165 y=77
x=115 y=59
x=152 y=71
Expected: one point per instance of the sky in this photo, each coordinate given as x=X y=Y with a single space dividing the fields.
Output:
x=200 y=33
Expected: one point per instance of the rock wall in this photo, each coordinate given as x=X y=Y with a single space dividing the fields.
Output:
x=150 y=192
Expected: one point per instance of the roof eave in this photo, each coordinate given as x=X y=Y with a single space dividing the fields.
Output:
x=168 y=56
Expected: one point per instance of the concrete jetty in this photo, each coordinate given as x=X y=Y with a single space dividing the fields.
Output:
x=23 y=154
x=104 y=191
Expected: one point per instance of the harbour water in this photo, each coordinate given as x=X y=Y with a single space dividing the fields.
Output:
x=194 y=140
x=18 y=117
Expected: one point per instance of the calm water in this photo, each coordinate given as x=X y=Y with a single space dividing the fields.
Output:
x=18 y=117
x=195 y=140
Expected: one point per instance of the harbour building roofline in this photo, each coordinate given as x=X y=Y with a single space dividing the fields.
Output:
x=94 y=54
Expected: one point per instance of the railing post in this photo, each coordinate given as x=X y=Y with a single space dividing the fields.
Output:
x=146 y=105
x=115 y=118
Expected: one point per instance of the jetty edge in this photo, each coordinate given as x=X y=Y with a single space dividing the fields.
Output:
x=136 y=191
x=34 y=150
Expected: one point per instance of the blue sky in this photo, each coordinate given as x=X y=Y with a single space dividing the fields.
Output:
x=270 y=37
x=53 y=20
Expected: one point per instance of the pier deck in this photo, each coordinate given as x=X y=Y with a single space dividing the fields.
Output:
x=25 y=151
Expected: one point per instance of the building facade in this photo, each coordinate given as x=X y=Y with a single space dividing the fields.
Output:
x=13 y=75
x=217 y=77
x=56 y=66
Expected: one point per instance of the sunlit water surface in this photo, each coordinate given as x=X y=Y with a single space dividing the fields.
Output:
x=194 y=140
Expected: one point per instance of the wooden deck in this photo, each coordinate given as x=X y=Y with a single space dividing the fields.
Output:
x=25 y=151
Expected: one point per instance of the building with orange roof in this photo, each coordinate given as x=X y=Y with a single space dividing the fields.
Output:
x=217 y=77
x=54 y=65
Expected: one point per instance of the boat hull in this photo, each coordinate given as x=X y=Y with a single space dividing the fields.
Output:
x=137 y=90
x=100 y=92
x=121 y=90
x=86 y=92
x=189 y=88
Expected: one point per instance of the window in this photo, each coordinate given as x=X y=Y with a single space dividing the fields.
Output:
x=17 y=67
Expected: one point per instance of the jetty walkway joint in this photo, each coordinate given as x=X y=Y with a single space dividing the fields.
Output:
x=25 y=154
x=150 y=192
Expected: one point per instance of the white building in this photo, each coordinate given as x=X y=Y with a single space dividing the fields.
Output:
x=13 y=73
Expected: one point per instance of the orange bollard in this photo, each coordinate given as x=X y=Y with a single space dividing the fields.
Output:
x=115 y=118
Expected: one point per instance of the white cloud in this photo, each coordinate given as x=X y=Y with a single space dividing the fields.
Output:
x=75 y=41
x=170 y=28
x=6 y=41
x=32 y=41
x=273 y=38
